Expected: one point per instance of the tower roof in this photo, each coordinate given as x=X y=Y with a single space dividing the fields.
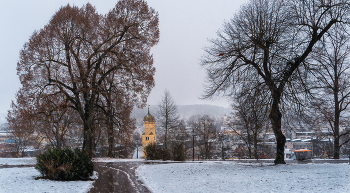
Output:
x=149 y=117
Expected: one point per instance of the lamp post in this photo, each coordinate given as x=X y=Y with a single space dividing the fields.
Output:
x=193 y=144
x=137 y=149
x=222 y=150
x=222 y=145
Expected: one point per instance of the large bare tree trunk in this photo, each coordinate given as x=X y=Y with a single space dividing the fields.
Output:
x=336 y=147
x=276 y=117
x=256 y=145
x=165 y=136
x=336 y=135
x=110 y=138
x=249 y=146
x=336 y=116
x=88 y=143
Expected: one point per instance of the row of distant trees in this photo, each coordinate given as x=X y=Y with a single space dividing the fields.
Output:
x=174 y=128
x=248 y=127
x=83 y=73
x=248 y=124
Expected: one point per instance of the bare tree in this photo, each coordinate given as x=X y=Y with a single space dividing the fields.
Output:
x=78 y=49
x=204 y=128
x=270 y=41
x=331 y=85
x=180 y=132
x=116 y=107
x=54 y=119
x=49 y=118
x=21 y=122
x=251 y=110
x=168 y=117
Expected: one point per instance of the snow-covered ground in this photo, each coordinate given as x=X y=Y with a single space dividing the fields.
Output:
x=22 y=179
x=211 y=176
x=17 y=161
x=236 y=177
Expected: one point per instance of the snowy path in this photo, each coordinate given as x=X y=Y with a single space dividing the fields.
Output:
x=118 y=177
x=137 y=155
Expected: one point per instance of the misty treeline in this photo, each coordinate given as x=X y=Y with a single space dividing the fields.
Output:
x=295 y=53
x=83 y=73
x=203 y=136
x=175 y=132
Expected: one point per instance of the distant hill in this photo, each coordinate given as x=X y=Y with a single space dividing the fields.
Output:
x=185 y=111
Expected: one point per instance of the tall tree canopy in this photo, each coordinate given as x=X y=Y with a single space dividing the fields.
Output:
x=270 y=41
x=79 y=50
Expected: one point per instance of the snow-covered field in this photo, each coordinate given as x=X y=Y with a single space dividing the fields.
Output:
x=17 y=161
x=213 y=176
x=235 y=177
x=22 y=179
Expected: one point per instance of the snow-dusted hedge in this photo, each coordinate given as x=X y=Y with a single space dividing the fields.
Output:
x=64 y=164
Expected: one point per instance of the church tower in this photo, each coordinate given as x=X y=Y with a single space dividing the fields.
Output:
x=149 y=135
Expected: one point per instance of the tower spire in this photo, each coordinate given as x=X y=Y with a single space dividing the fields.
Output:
x=149 y=117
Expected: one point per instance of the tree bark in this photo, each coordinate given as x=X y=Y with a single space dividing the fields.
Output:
x=249 y=144
x=88 y=143
x=336 y=114
x=336 y=134
x=110 y=137
x=276 y=117
x=256 y=145
x=165 y=137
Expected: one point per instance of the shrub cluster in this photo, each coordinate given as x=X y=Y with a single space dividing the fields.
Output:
x=64 y=164
x=152 y=152
x=179 y=151
x=176 y=153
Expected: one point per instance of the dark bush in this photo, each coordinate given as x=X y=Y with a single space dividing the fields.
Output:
x=152 y=152
x=64 y=164
x=179 y=151
x=165 y=154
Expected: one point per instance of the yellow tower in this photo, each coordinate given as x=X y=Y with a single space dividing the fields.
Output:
x=149 y=135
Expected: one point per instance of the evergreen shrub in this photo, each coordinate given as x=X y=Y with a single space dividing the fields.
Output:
x=179 y=151
x=64 y=164
x=152 y=152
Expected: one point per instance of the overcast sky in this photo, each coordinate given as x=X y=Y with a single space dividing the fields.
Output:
x=185 y=27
